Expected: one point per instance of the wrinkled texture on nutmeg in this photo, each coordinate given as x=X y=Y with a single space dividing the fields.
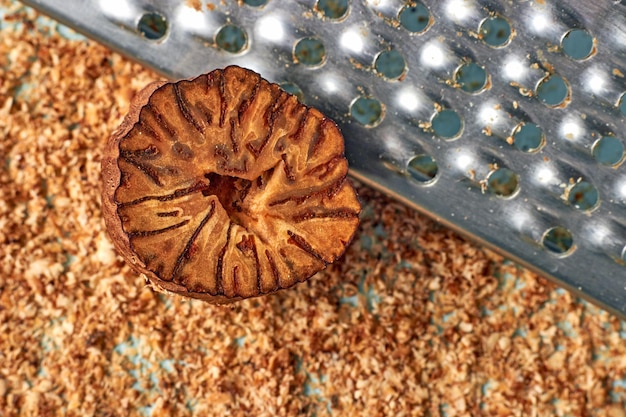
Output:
x=226 y=187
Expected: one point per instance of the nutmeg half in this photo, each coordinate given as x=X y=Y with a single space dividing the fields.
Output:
x=226 y=187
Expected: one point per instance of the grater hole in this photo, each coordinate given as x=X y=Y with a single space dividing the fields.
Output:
x=578 y=44
x=333 y=9
x=231 y=38
x=255 y=3
x=416 y=18
x=503 y=182
x=621 y=104
x=423 y=168
x=292 y=88
x=367 y=111
x=527 y=137
x=554 y=91
x=471 y=77
x=624 y=254
x=583 y=196
x=558 y=240
x=608 y=150
x=390 y=64
x=496 y=31
x=447 y=124
x=152 y=26
x=309 y=52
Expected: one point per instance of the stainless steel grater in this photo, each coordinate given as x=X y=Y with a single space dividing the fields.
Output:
x=505 y=120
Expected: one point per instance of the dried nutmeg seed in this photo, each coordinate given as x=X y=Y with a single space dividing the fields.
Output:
x=225 y=187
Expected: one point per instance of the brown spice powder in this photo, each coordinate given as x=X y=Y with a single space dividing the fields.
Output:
x=413 y=321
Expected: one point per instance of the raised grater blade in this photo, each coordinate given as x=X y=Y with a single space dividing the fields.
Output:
x=504 y=120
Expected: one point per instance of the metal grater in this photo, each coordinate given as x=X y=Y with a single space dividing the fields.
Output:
x=504 y=120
